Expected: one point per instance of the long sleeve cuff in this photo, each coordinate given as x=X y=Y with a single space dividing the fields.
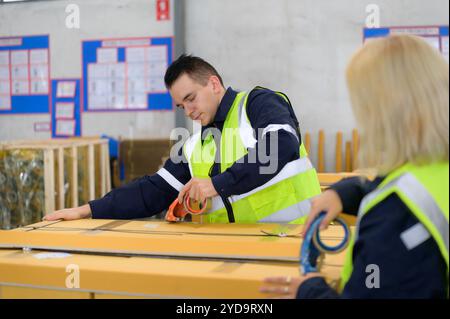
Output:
x=316 y=288
x=99 y=209
x=351 y=192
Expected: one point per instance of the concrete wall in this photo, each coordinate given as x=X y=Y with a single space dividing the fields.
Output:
x=98 y=19
x=300 y=47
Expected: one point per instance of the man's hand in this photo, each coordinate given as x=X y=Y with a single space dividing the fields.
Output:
x=198 y=189
x=285 y=287
x=70 y=213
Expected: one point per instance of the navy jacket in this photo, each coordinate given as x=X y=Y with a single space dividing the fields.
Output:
x=151 y=195
x=417 y=273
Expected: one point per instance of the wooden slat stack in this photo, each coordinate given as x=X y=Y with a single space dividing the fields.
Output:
x=346 y=152
x=39 y=177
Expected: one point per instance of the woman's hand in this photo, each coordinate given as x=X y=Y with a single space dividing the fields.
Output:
x=329 y=202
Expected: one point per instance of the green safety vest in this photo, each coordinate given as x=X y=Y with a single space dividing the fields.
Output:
x=424 y=190
x=283 y=199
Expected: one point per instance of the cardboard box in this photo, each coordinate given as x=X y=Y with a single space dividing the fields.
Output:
x=38 y=177
x=156 y=238
x=23 y=275
x=141 y=157
x=142 y=259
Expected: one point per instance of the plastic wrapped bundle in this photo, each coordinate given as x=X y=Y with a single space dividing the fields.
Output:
x=37 y=205
x=5 y=186
x=39 y=177
x=5 y=209
x=22 y=181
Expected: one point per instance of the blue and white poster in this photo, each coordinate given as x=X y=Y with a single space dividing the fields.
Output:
x=126 y=74
x=24 y=75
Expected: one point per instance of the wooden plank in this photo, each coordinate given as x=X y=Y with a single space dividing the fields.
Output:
x=61 y=165
x=74 y=182
x=348 y=156
x=108 y=169
x=103 y=169
x=327 y=179
x=321 y=152
x=308 y=142
x=91 y=173
x=339 y=152
x=98 y=160
x=355 y=148
x=29 y=146
x=49 y=181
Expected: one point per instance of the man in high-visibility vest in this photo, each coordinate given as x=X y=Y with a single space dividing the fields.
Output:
x=248 y=157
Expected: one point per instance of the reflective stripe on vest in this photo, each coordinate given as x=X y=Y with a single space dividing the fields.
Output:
x=287 y=215
x=278 y=127
x=412 y=192
x=289 y=170
x=419 y=195
x=170 y=179
x=188 y=149
x=245 y=128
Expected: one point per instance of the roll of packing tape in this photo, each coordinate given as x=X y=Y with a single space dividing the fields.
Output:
x=195 y=207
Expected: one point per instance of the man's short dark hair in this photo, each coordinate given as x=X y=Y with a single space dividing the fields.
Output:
x=198 y=69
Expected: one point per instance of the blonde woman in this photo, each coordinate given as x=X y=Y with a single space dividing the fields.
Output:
x=399 y=89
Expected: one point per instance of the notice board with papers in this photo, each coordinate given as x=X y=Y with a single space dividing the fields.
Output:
x=66 y=112
x=436 y=36
x=126 y=74
x=24 y=74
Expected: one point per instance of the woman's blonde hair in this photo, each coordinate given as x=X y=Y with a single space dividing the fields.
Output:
x=399 y=90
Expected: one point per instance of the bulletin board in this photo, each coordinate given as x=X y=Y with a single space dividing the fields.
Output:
x=66 y=117
x=24 y=74
x=126 y=74
x=437 y=36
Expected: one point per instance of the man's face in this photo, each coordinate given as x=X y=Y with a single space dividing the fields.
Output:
x=199 y=102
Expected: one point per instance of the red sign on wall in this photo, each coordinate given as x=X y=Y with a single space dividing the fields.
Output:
x=162 y=10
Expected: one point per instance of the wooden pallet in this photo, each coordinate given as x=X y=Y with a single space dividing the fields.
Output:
x=328 y=179
x=74 y=170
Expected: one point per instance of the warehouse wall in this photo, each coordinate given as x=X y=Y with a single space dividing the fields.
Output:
x=98 y=19
x=298 y=46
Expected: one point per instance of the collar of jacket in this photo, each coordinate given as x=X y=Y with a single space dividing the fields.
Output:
x=222 y=111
